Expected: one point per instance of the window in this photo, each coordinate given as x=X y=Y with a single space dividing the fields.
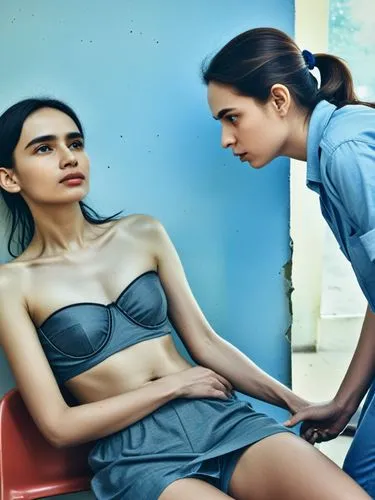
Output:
x=352 y=37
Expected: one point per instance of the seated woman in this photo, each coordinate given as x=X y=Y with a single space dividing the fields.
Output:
x=86 y=304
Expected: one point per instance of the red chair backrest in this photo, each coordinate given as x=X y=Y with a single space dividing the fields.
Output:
x=30 y=467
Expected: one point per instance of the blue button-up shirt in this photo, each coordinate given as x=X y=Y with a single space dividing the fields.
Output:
x=341 y=169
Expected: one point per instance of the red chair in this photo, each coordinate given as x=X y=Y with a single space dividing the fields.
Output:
x=30 y=467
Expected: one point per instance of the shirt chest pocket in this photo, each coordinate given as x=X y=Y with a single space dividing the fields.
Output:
x=363 y=267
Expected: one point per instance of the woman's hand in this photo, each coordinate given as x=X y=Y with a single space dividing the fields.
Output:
x=200 y=382
x=321 y=422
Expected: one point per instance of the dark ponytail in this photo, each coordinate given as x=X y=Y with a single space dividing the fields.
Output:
x=337 y=84
x=21 y=227
x=254 y=61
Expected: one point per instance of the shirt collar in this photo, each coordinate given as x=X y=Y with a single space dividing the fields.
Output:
x=318 y=123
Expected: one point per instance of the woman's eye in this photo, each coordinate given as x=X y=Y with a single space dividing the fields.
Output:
x=232 y=118
x=43 y=149
x=77 y=145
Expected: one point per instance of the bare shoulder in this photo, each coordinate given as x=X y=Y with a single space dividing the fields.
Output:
x=12 y=275
x=141 y=226
x=13 y=279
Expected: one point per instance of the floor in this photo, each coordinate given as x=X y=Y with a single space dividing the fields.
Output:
x=316 y=376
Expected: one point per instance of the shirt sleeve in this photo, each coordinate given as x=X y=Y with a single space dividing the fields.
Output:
x=351 y=172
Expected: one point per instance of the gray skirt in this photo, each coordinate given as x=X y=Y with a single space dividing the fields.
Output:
x=201 y=438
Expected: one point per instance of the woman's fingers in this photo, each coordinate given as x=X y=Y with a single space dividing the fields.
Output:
x=225 y=382
x=298 y=417
x=308 y=434
x=222 y=387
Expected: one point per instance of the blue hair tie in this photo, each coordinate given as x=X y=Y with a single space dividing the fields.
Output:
x=309 y=59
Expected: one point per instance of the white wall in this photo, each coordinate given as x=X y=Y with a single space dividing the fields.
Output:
x=324 y=281
x=341 y=294
x=307 y=224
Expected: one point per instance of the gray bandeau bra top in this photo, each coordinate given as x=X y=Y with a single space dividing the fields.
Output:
x=79 y=336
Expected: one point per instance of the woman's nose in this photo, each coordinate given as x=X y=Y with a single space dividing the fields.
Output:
x=227 y=138
x=68 y=159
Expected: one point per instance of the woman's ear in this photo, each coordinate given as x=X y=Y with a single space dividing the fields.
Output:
x=280 y=99
x=8 y=180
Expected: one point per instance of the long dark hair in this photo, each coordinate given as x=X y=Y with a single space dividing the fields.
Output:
x=22 y=225
x=254 y=61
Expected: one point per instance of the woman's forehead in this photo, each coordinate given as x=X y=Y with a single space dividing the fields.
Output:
x=223 y=97
x=47 y=121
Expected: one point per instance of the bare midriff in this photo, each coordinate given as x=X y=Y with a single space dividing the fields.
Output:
x=128 y=370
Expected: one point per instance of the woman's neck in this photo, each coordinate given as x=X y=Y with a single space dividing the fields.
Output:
x=59 y=229
x=296 y=143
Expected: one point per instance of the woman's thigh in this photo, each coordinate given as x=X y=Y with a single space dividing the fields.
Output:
x=360 y=460
x=192 y=489
x=284 y=466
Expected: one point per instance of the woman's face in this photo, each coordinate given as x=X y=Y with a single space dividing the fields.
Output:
x=49 y=149
x=254 y=131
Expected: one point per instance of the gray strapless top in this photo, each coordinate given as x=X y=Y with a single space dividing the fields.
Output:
x=79 y=336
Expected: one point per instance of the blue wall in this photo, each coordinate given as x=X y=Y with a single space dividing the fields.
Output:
x=131 y=71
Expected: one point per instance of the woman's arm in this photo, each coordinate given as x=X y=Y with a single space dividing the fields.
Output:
x=60 y=424
x=361 y=371
x=245 y=376
x=331 y=418
x=203 y=343
x=351 y=182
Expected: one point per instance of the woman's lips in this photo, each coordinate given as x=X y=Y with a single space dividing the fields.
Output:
x=74 y=181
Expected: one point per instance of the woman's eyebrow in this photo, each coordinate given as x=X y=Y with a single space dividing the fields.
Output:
x=223 y=112
x=48 y=138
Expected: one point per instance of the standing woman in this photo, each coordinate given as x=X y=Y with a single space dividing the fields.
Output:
x=269 y=104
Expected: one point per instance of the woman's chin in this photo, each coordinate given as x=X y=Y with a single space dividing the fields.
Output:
x=78 y=193
x=257 y=163
x=74 y=197
x=254 y=163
